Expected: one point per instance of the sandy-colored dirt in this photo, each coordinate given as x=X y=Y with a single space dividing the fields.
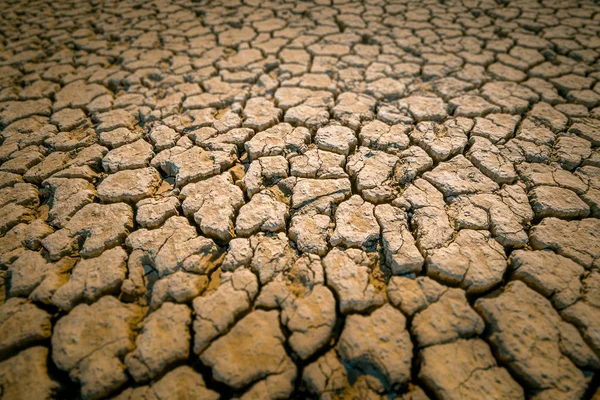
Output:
x=299 y=199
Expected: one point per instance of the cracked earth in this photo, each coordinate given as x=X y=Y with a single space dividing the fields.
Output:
x=322 y=199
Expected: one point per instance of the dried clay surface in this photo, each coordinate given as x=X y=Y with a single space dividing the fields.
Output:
x=320 y=199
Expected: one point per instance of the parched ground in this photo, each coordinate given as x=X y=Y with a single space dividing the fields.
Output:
x=292 y=199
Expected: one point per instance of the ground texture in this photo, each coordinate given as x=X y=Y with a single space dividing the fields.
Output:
x=268 y=199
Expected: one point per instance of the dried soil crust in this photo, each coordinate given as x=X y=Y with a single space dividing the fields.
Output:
x=270 y=200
